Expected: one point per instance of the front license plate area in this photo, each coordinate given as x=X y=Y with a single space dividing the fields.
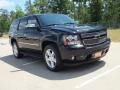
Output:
x=97 y=54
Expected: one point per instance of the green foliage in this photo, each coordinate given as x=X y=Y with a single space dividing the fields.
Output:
x=60 y=6
x=105 y=12
x=6 y=18
x=30 y=8
x=19 y=12
x=12 y=15
x=95 y=10
x=41 y=6
x=111 y=14
x=4 y=21
x=4 y=25
x=82 y=11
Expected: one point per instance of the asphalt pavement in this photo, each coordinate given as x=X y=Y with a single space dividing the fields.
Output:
x=29 y=73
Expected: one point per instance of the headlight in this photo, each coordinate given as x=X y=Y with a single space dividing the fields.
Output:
x=71 y=40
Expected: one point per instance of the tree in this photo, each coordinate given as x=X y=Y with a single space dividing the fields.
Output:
x=95 y=10
x=19 y=12
x=106 y=12
x=6 y=18
x=12 y=15
x=41 y=6
x=82 y=7
x=111 y=14
x=30 y=8
x=4 y=21
x=60 y=6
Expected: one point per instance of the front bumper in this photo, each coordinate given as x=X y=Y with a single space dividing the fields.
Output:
x=81 y=54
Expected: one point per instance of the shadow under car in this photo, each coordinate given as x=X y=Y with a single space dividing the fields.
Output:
x=39 y=69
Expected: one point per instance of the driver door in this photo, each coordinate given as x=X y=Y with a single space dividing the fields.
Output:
x=32 y=34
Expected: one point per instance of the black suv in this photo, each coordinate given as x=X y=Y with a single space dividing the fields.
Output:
x=58 y=39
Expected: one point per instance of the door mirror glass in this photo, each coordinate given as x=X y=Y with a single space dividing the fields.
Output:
x=33 y=26
x=30 y=25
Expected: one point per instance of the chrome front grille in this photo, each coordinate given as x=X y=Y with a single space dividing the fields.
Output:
x=94 y=38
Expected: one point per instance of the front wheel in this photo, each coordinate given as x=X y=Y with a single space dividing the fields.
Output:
x=52 y=58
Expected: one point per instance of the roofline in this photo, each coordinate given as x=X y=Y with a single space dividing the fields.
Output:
x=37 y=15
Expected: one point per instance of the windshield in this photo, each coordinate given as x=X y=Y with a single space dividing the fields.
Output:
x=55 y=19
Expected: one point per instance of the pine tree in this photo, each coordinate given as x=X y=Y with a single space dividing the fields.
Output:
x=95 y=10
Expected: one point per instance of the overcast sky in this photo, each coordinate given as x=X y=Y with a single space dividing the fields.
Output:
x=11 y=4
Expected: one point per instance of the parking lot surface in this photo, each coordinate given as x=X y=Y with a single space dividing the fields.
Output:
x=30 y=73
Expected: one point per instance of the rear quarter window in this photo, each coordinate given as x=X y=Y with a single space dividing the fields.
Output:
x=14 y=26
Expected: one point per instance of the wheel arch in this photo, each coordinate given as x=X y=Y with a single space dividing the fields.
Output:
x=12 y=40
x=45 y=43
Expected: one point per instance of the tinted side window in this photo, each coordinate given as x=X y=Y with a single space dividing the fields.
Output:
x=32 y=20
x=14 y=25
x=22 y=24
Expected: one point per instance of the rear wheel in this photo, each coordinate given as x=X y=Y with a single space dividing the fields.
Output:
x=52 y=58
x=16 y=50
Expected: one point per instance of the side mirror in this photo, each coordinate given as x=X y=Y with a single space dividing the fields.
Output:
x=30 y=26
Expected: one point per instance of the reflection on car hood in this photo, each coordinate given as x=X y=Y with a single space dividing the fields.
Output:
x=77 y=29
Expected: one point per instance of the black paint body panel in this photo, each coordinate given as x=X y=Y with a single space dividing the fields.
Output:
x=31 y=39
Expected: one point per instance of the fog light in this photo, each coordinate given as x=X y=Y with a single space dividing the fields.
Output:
x=83 y=57
x=73 y=57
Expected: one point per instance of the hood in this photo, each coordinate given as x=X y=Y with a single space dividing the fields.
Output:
x=78 y=29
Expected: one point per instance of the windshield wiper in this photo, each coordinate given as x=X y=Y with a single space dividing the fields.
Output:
x=53 y=24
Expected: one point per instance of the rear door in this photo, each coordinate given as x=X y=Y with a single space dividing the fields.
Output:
x=13 y=30
x=21 y=33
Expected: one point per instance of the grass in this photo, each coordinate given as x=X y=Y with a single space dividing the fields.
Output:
x=114 y=35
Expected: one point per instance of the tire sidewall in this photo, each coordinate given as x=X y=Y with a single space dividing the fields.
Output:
x=58 y=65
x=18 y=54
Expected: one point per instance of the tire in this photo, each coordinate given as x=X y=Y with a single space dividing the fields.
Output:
x=16 y=51
x=52 y=58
